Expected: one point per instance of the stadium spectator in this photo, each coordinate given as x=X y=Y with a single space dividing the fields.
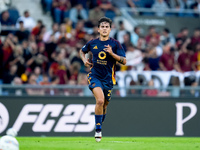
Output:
x=42 y=56
x=58 y=68
x=187 y=3
x=109 y=10
x=154 y=43
x=62 y=33
x=195 y=39
x=7 y=49
x=39 y=38
x=121 y=32
x=78 y=13
x=6 y=19
x=181 y=37
x=48 y=35
x=126 y=41
x=68 y=25
x=38 y=73
x=113 y=31
x=17 y=59
x=17 y=91
x=135 y=35
x=194 y=92
x=152 y=33
x=45 y=80
x=10 y=75
x=105 y=5
x=72 y=41
x=61 y=8
x=48 y=5
x=146 y=67
x=28 y=21
x=94 y=15
x=80 y=32
x=84 y=3
x=22 y=33
x=32 y=82
x=37 y=29
x=26 y=50
x=184 y=62
x=160 y=7
x=131 y=91
x=151 y=92
x=133 y=58
x=166 y=62
x=39 y=56
x=153 y=59
x=191 y=81
x=196 y=58
x=141 y=43
x=167 y=37
x=54 y=82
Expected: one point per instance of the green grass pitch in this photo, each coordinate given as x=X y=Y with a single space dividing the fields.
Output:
x=109 y=143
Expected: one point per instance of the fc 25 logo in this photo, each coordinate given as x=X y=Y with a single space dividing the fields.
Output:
x=4 y=118
x=74 y=117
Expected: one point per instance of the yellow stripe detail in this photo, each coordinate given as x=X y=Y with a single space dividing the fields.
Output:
x=89 y=80
x=198 y=60
x=113 y=73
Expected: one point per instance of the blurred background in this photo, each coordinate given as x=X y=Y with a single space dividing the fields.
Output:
x=40 y=42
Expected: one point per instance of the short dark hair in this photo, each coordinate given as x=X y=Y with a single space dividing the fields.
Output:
x=25 y=12
x=105 y=19
x=166 y=30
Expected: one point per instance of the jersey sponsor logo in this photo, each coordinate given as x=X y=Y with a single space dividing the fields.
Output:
x=57 y=118
x=95 y=47
x=102 y=55
x=4 y=118
x=98 y=124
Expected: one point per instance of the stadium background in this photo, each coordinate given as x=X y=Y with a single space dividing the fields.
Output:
x=39 y=61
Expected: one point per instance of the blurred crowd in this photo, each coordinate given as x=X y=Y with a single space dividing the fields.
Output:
x=60 y=9
x=34 y=55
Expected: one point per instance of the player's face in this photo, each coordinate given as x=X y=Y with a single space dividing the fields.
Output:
x=104 y=29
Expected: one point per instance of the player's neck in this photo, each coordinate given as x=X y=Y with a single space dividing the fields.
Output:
x=101 y=38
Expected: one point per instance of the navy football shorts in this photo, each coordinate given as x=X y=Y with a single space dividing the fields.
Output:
x=95 y=82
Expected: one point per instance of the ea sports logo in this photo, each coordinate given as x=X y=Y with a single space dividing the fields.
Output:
x=4 y=117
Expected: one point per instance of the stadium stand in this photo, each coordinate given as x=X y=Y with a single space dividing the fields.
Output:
x=33 y=54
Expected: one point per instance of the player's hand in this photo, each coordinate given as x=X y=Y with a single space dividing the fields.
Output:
x=108 y=49
x=87 y=63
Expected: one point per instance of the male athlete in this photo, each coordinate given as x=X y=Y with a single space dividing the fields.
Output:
x=106 y=52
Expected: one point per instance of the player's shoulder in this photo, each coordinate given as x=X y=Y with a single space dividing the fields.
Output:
x=92 y=41
x=116 y=42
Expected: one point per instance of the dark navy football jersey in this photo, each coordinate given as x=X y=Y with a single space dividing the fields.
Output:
x=103 y=63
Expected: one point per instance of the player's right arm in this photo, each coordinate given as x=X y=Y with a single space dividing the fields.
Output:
x=84 y=59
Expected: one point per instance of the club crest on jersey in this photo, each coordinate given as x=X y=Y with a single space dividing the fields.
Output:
x=95 y=47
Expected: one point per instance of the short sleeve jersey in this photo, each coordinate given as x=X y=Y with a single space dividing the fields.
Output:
x=103 y=63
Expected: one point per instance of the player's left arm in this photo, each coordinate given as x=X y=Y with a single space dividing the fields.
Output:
x=118 y=58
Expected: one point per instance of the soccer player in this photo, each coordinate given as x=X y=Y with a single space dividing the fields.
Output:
x=106 y=53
